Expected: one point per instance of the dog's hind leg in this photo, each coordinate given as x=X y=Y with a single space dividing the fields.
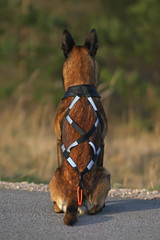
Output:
x=57 y=209
x=101 y=189
x=57 y=194
x=71 y=215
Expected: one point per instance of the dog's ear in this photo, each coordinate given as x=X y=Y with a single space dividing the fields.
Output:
x=91 y=42
x=67 y=42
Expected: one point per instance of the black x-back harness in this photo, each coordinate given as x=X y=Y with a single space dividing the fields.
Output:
x=77 y=92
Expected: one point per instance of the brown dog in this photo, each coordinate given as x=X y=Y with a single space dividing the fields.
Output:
x=80 y=183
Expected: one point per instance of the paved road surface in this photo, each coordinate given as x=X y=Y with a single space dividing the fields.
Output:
x=29 y=215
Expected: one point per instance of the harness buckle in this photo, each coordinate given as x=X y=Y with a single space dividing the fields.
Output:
x=79 y=195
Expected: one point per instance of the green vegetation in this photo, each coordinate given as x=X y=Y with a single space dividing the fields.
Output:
x=31 y=61
x=129 y=36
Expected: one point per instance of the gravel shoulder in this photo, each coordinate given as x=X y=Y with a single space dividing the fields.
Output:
x=123 y=193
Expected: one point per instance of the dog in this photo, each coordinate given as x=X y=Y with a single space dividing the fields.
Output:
x=80 y=183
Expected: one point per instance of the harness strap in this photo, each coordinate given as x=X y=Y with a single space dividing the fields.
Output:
x=83 y=90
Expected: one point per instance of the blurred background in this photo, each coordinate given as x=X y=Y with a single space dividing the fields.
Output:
x=31 y=86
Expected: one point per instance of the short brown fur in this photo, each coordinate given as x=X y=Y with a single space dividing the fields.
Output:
x=79 y=68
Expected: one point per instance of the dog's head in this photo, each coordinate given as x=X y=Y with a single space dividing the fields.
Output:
x=80 y=66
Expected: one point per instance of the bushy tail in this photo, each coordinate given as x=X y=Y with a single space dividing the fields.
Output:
x=71 y=215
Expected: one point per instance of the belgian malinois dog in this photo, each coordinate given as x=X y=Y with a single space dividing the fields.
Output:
x=80 y=183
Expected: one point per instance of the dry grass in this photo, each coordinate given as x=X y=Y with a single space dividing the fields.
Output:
x=134 y=160
x=28 y=148
x=28 y=144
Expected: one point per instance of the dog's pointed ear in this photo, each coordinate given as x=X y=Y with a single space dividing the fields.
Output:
x=91 y=42
x=67 y=42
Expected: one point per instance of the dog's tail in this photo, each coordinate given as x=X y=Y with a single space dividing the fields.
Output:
x=71 y=215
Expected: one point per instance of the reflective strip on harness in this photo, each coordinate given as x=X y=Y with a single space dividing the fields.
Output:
x=74 y=101
x=72 y=145
x=96 y=123
x=92 y=103
x=69 y=119
x=71 y=162
x=98 y=151
x=89 y=166
x=93 y=146
x=63 y=148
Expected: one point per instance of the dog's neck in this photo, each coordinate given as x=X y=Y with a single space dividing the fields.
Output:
x=80 y=68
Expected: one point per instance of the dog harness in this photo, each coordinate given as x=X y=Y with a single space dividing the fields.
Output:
x=77 y=92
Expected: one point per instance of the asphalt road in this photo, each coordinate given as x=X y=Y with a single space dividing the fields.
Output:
x=30 y=215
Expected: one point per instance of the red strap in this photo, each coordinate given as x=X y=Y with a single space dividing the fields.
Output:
x=79 y=195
